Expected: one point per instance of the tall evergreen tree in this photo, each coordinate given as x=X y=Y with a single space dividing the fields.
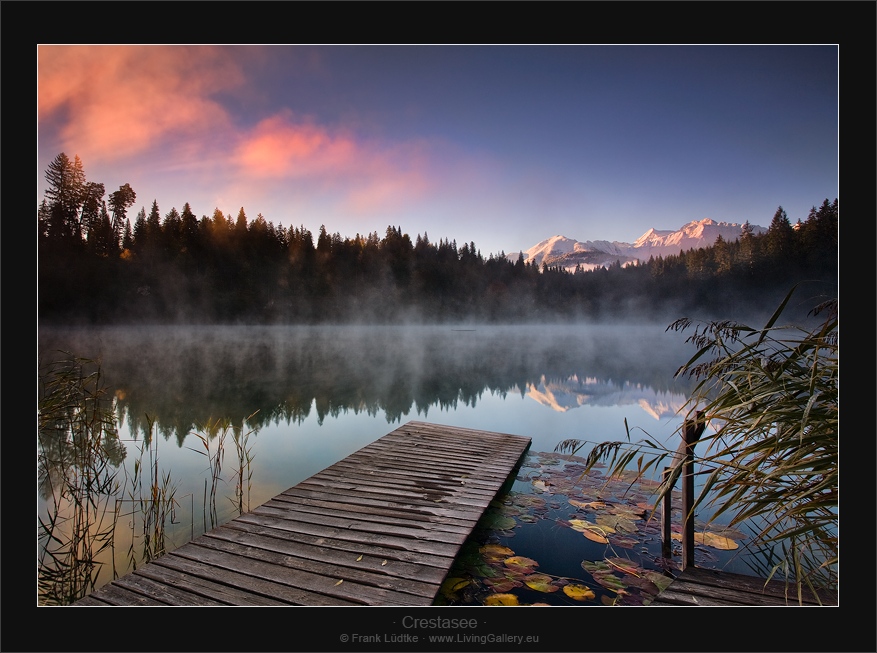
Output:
x=120 y=201
x=66 y=193
x=780 y=235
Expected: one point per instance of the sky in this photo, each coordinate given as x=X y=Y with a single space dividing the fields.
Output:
x=503 y=146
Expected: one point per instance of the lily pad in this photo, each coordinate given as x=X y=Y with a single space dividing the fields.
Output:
x=451 y=586
x=624 y=541
x=495 y=552
x=624 y=565
x=588 y=505
x=578 y=592
x=595 y=536
x=501 y=599
x=540 y=583
x=659 y=579
x=710 y=539
x=502 y=584
x=617 y=523
x=520 y=562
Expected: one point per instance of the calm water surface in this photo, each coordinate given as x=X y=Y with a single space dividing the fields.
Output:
x=321 y=393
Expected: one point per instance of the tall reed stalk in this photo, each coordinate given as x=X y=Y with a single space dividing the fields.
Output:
x=213 y=436
x=153 y=496
x=770 y=395
x=78 y=454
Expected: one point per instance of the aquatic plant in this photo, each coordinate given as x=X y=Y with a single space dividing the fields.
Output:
x=770 y=396
x=78 y=454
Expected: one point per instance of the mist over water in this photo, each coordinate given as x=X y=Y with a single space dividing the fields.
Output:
x=319 y=393
x=183 y=376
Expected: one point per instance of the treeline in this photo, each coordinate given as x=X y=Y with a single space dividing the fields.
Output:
x=97 y=266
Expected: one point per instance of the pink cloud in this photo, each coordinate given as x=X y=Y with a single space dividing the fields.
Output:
x=363 y=175
x=116 y=101
x=279 y=148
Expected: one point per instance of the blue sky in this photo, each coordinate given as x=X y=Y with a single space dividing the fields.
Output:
x=500 y=145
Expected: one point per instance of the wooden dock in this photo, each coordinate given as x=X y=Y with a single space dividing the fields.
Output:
x=380 y=527
x=708 y=587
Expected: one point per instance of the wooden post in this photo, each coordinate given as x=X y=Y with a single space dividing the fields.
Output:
x=691 y=433
x=666 y=514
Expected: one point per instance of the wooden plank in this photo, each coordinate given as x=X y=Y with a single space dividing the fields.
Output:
x=381 y=527
x=386 y=515
x=417 y=558
x=115 y=594
x=442 y=549
x=279 y=593
x=414 y=531
x=697 y=586
x=225 y=594
x=752 y=585
x=164 y=592
x=360 y=558
x=368 y=572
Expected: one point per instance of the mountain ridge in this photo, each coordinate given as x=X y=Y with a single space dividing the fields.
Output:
x=590 y=254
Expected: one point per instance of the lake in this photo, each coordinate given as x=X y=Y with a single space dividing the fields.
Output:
x=294 y=400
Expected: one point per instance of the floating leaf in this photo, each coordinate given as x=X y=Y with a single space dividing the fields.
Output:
x=616 y=523
x=451 y=586
x=624 y=542
x=540 y=486
x=502 y=584
x=710 y=539
x=578 y=592
x=501 y=599
x=610 y=581
x=659 y=579
x=716 y=541
x=540 y=583
x=594 y=536
x=626 y=513
x=520 y=562
x=595 y=566
x=495 y=552
x=624 y=565
x=593 y=505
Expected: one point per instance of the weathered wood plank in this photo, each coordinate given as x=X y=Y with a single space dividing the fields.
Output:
x=361 y=524
x=381 y=527
x=329 y=552
x=370 y=573
x=774 y=588
x=697 y=586
x=377 y=539
x=329 y=586
x=254 y=585
x=115 y=594
x=203 y=587
x=164 y=592
x=418 y=559
x=385 y=515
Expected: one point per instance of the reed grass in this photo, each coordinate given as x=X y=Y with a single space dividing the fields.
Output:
x=770 y=396
x=78 y=457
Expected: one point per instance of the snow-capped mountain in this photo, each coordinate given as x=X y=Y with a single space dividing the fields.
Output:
x=590 y=254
